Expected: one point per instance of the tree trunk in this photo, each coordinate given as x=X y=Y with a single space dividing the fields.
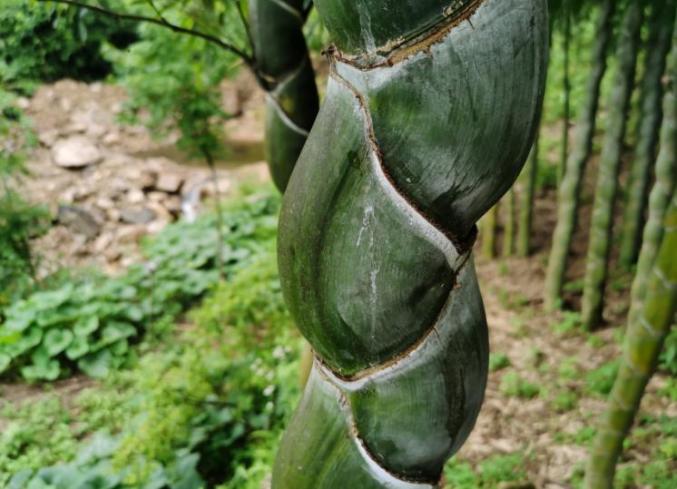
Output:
x=570 y=188
x=566 y=90
x=660 y=36
x=284 y=70
x=642 y=345
x=526 y=207
x=607 y=180
x=489 y=223
x=427 y=122
x=666 y=173
x=509 y=228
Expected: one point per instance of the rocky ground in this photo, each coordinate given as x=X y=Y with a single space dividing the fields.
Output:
x=109 y=185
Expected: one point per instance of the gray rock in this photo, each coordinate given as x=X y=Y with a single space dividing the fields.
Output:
x=169 y=183
x=137 y=215
x=75 y=152
x=78 y=220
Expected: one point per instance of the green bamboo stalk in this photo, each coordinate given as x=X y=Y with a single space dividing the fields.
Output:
x=489 y=224
x=566 y=91
x=607 y=180
x=378 y=224
x=569 y=190
x=643 y=342
x=509 y=227
x=284 y=70
x=526 y=206
x=660 y=29
x=666 y=175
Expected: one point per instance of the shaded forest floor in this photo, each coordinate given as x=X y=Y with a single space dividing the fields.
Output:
x=548 y=378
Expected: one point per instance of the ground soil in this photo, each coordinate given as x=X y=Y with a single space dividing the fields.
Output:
x=512 y=287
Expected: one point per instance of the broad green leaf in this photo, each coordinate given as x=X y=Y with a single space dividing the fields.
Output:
x=119 y=348
x=19 y=321
x=78 y=348
x=115 y=331
x=9 y=337
x=97 y=364
x=57 y=340
x=28 y=340
x=5 y=361
x=86 y=326
x=134 y=313
x=43 y=371
x=40 y=356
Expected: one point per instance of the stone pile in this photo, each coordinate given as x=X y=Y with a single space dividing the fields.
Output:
x=107 y=185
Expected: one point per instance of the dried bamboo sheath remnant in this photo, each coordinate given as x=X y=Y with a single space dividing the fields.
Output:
x=429 y=116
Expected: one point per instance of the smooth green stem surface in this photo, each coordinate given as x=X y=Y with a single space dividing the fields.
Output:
x=599 y=245
x=643 y=342
x=526 y=205
x=570 y=188
x=489 y=224
x=663 y=189
x=284 y=70
x=566 y=92
x=658 y=46
x=509 y=226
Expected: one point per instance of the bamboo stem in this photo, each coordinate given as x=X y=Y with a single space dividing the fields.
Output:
x=566 y=90
x=660 y=37
x=526 y=207
x=643 y=342
x=509 y=227
x=663 y=189
x=569 y=190
x=599 y=245
x=489 y=225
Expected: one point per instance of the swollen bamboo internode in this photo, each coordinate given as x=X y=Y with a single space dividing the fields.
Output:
x=284 y=70
x=429 y=116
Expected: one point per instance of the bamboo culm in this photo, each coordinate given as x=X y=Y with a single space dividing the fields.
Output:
x=664 y=187
x=377 y=227
x=526 y=205
x=658 y=46
x=566 y=90
x=509 y=227
x=643 y=342
x=489 y=224
x=284 y=70
x=599 y=244
x=569 y=190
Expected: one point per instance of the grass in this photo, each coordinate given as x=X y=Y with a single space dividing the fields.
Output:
x=512 y=385
x=489 y=473
x=498 y=361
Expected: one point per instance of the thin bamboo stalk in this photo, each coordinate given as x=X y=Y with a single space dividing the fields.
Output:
x=658 y=46
x=599 y=245
x=570 y=189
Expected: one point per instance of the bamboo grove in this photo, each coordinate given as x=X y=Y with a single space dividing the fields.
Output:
x=621 y=158
x=431 y=113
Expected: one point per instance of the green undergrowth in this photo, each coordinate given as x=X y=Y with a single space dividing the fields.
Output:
x=47 y=42
x=88 y=321
x=489 y=473
x=654 y=435
x=20 y=220
x=204 y=409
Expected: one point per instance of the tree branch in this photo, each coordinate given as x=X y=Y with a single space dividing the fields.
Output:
x=249 y=60
x=243 y=19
